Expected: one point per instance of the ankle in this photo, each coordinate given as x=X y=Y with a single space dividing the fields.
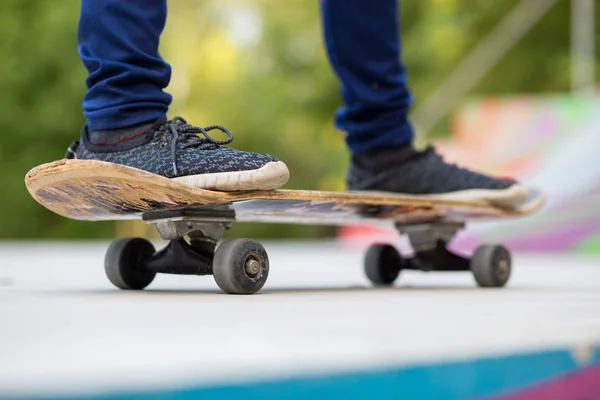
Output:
x=119 y=139
x=384 y=158
x=113 y=137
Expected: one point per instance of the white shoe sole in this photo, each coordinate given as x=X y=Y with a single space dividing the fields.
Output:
x=272 y=175
x=512 y=196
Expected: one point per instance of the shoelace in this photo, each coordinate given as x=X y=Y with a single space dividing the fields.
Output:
x=431 y=150
x=182 y=132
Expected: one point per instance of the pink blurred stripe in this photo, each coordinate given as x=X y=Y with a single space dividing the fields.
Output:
x=583 y=384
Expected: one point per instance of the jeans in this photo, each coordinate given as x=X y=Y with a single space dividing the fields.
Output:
x=118 y=45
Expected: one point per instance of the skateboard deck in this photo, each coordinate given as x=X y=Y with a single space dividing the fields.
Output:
x=95 y=190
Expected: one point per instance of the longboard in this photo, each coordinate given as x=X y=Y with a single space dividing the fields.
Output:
x=95 y=191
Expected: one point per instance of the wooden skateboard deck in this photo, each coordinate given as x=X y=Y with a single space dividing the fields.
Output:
x=95 y=190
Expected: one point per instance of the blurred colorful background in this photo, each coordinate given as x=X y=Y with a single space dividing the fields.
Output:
x=507 y=87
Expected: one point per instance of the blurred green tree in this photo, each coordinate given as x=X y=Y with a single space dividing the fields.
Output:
x=42 y=82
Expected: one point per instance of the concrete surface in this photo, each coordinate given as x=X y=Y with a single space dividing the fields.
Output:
x=65 y=329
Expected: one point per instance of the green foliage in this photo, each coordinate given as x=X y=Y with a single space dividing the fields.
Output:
x=275 y=90
x=42 y=82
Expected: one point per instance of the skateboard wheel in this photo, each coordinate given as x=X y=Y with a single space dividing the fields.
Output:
x=240 y=266
x=382 y=264
x=491 y=265
x=123 y=263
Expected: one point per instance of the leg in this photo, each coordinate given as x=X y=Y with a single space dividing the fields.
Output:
x=125 y=106
x=118 y=44
x=363 y=45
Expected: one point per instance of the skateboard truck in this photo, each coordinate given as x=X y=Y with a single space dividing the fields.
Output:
x=490 y=264
x=179 y=257
x=203 y=227
x=428 y=241
x=425 y=236
x=239 y=266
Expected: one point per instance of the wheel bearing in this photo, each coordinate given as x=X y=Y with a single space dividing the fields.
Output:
x=253 y=266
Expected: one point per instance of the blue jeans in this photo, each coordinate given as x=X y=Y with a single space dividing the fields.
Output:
x=118 y=44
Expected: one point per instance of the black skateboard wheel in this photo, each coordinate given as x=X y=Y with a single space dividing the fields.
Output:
x=124 y=261
x=382 y=264
x=240 y=266
x=491 y=265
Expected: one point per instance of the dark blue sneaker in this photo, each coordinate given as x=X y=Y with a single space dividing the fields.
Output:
x=425 y=173
x=184 y=153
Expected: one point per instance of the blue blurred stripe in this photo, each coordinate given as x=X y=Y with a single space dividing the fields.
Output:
x=454 y=380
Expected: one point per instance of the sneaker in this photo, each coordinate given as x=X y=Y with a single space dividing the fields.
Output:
x=185 y=154
x=425 y=173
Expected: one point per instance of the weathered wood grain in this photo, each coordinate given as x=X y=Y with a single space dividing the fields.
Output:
x=95 y=190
